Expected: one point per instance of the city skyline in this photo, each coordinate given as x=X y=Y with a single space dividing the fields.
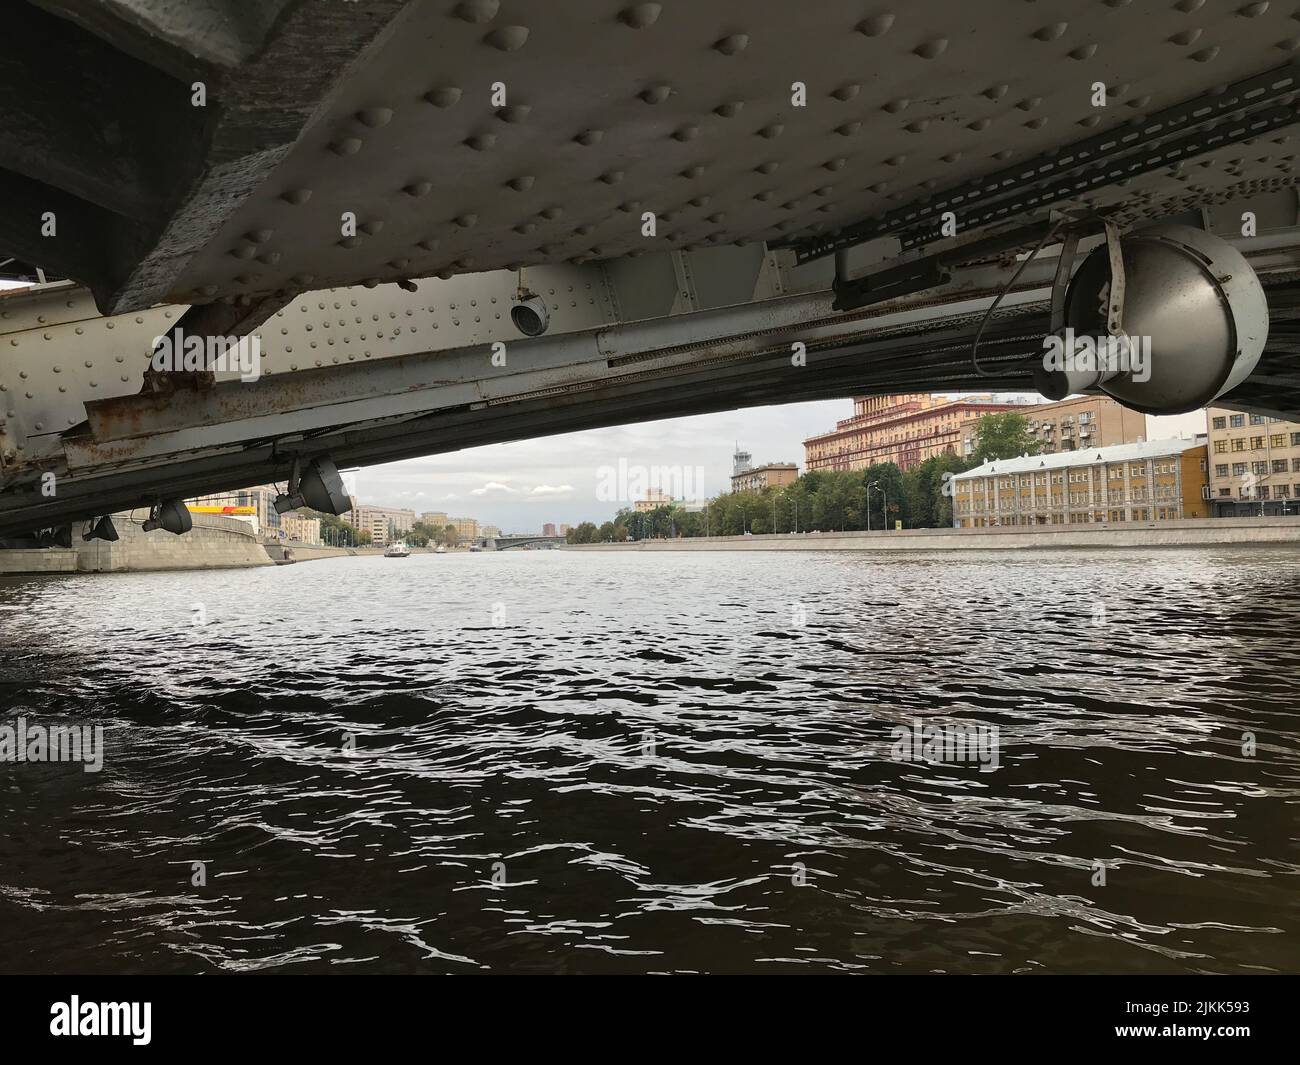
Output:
x=521 y=486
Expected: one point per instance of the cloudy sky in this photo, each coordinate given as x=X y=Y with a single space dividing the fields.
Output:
x=568 y=478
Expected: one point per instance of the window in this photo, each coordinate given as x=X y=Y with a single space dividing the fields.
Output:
x=1295 y=439
x=1259 y=468
x=1225 y=491
x=1276 y=440
x=1279 y=465
x=1220 y=446
x=1221 y=469
x=1239 y=445
x=1220 y=423
x=1236 y=421
x=1263 y=491
x=1256 y=419
x=1256 y=443
x=1239 y=469
x=1282 y=491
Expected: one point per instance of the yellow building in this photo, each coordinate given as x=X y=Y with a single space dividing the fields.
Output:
x=1254 y=464
x=1159 y=480
x=654 y=499
x=771 y=475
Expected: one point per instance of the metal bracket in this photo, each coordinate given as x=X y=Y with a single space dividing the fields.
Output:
x=1115 y=294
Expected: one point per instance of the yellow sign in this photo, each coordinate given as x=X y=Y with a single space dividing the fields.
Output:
x=196 y=509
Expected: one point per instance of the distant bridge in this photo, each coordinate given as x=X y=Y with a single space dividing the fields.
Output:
x=504 y=543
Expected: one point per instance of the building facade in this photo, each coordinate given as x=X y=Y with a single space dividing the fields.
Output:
x=756 y=478
x=466 y=528
x=384 y=524
x=548 y=529
x=261 y=497
x=1159 y=480
x=905 y=430
x=1254 y=464
x=654 y=498
x=300 y=528
x=1081 y=422
x=908 y=429
x=434 y=519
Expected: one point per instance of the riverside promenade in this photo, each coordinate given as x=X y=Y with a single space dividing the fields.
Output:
x=1190 y=532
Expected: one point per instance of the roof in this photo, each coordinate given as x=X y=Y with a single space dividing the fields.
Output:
x=1149 y=449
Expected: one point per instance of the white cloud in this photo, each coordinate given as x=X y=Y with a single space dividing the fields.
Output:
x=552 y=490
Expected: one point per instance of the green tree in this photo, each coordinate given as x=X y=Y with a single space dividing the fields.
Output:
x=1003 y=436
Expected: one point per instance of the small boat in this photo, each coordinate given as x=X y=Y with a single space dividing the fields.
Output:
x=441 y=549
x=396 y=550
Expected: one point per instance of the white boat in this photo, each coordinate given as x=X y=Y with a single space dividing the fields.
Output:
x=396 y=550
x=441 y=549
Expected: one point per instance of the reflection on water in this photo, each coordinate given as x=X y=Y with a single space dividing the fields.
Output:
x=571 y=762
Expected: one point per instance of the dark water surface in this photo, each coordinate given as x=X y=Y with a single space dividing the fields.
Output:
x=570 y=762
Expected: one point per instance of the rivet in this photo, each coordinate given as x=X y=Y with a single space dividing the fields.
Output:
x=522 y=183
x=477 y=10
x=691 y=173
x=1051 y=32
x=848 y=129
x=1084 y=51
x=770 y=131
x=996 y=92
x=766 y=168
x=655 y=94
x=931 y=49
x=1185 y=37
x=639 y=16
x=551 y=213
x=466 y=221
x=589 y=137
x=514 y=114
x=443 y=97
x=732 y=45
x=481 y=142
x=418 y=188
x=372 y=227
x=730 y=109
x=374 y=117
x=876 y=26
x=686 y=133
x=612 y=177
x=346 y=146
x=507 y=38
x=846 y=92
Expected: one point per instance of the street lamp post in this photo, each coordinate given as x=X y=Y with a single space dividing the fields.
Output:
x=885 y=496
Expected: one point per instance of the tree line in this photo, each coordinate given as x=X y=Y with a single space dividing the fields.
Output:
x=878 y=497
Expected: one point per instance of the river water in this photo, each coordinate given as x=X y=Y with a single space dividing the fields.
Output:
x=562 y=761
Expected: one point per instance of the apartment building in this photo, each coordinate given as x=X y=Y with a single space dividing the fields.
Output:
x=1079 y=422
x=1158 y=480
x=905 y=430
x=384 y=524
x=261 y=497
x=1254 y=464
x=756 y=478
x=300 y=528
